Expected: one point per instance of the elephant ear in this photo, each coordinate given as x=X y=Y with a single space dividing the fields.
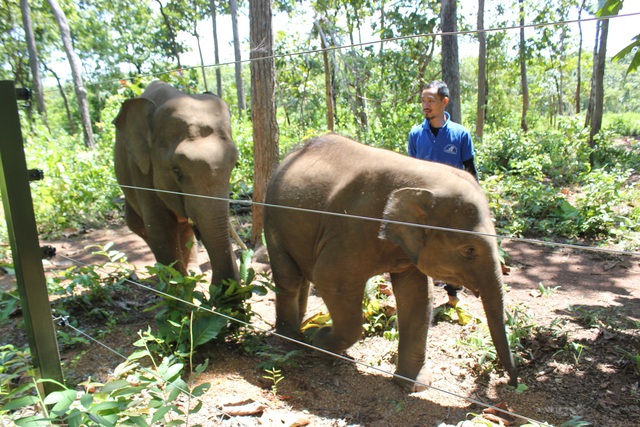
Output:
x=410 y=206
x=133 y=127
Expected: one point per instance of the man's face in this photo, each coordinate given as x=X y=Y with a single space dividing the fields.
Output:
x=432 y=104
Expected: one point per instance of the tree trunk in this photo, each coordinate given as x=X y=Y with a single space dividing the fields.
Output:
x=523 y=71
x=579 y=67
x=236 y=51
x=214 y=15
x=33 y=58
x=596 y=100
x=263 y=108
x=65 y=101
x=74 y=63
x=172 y=36
x=204 y=72
x=481 y=108
x=450 y=65
x=328 y=87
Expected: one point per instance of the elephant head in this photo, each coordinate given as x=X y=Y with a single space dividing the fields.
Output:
x=180 y=145
x=453 y=240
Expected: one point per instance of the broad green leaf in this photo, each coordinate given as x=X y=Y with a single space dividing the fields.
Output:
x=113 y=386
x=61 y=400
x=201 y=389
x=20 y=403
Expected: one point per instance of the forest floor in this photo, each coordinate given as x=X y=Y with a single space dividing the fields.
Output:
x=581 y=361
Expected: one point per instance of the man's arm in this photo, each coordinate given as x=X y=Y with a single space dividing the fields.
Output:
x=470 y=166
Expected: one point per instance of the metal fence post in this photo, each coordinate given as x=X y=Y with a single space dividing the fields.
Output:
x=25 y=246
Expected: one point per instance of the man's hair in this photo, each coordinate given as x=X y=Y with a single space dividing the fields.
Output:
x=443 y=89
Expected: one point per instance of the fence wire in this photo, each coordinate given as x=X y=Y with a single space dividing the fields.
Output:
x=368 y=43
x=268 y=331
x=271 y=332
x=385 y=221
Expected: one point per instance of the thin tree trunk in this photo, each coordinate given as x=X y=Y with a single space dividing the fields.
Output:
x=65 y=101
x=74 y=63
x=328 y=87
x=236 y=51
x=33 y=58
x=263 y=108
x=482 y=72
x=204 y=72
x=596 y=101
x=450 y=64
x=172 y=36
x=214 y=16
x=579 y=67
x=523 y=71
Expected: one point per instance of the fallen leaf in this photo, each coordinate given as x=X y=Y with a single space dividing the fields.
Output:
x=245 y=408
x=494 y=414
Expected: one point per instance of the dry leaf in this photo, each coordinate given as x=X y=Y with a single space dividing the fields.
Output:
x=244 y=408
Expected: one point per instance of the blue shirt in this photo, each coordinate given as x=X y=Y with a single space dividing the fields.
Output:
x=452 y=146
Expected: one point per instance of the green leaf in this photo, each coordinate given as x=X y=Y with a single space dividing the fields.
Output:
x=160 y=413
x=201 y=389
x=205 y=329
x=611 y=7
x=113 y=386
x=32 y=421
x=61 y=400
x=139 y=421
x=86 y=400
x=20 y=403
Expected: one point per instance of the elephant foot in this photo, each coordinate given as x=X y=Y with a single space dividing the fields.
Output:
x=421 y=383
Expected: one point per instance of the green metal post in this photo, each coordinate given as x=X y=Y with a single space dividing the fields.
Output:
x=25 y=246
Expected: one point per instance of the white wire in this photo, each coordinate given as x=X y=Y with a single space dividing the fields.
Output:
x=386 y=221
x=309 y=346
x=356 y=45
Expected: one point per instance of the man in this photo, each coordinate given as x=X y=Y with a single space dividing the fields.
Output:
x=438 y=139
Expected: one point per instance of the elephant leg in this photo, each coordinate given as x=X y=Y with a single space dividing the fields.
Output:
x=134 y=221
x=292 y=292
x=163 y=237
x=414 y=299
x=188 y=245
x=343 y=297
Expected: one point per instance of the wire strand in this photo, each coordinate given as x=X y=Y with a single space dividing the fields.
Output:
x=311 y=347
x=369 y=43
x=385 y=221
x=63 y=322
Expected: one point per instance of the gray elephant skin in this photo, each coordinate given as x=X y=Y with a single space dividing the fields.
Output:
x=339 y=254
x=175 y=144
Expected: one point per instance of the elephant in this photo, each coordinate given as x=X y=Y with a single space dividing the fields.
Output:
x=360 y=211
x=177 y=144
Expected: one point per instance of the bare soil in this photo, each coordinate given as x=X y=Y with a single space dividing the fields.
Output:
x=573 y=363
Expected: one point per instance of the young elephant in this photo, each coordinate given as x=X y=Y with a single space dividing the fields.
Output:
x=338 y=254
x=178 y=144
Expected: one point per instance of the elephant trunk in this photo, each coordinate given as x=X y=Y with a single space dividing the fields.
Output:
x=212 y=221
x=493 y=303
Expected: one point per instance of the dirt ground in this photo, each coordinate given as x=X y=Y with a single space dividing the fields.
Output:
x=574 y=365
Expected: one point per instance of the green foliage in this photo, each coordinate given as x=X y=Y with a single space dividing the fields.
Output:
x=379 y=315
x=78 y=189
x=275 y=376
x=137 y=395
x=520 y=327
x=187 y=318
x=541 y=184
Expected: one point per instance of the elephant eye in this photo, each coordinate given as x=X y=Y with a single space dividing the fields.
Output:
x=177 y=172
x=470 y=252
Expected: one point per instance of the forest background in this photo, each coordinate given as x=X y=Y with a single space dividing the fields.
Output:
x=533 y=122
x=554 y=109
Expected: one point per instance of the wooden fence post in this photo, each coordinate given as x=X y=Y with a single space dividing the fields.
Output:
x=25 y=246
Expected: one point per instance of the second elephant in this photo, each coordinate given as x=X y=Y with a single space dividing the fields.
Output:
x=173 y=158
x=384 y=194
